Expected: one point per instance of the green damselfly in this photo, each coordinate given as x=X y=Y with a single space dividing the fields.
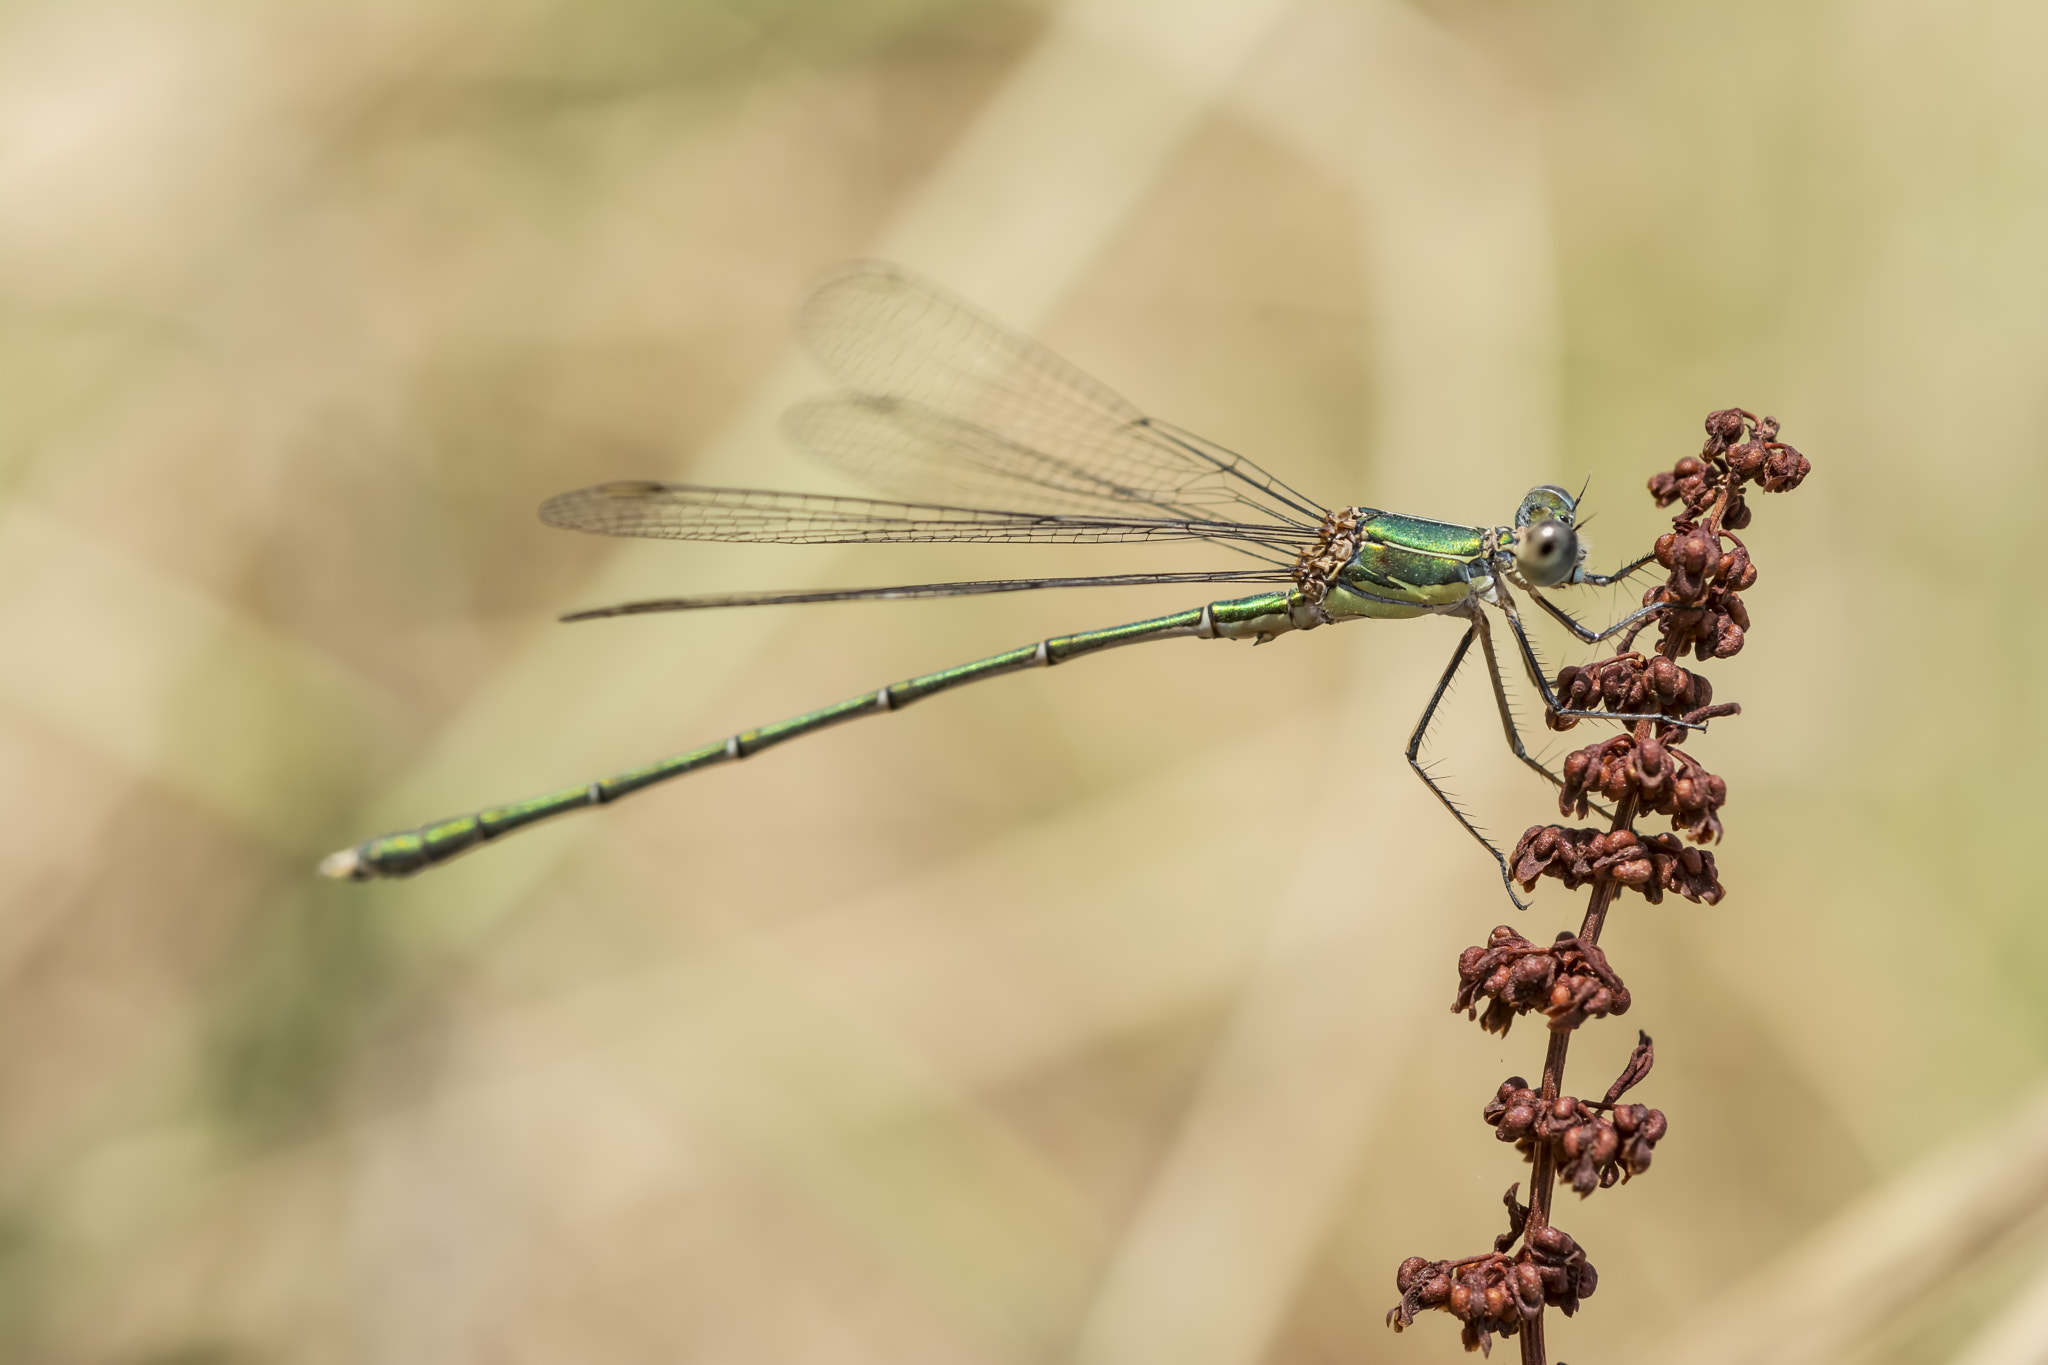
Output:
x=975 y=433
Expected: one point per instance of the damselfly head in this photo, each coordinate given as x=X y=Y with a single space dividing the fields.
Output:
x=1547 y=550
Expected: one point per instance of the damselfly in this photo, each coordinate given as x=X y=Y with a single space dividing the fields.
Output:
x=975 y=433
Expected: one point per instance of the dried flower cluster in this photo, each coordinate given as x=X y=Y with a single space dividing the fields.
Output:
x=1705 y=614
x=1649 y=863
x=1569 y=981
x=1662 y=777
x=1741 y=448
x=1498 y=1293
x=1588 y=1150
x=1629 y=682
x=1595 y=1145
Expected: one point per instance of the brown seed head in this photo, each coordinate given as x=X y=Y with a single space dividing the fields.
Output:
x=1590 y=1150
x=1666 y=780
x=1569 y=982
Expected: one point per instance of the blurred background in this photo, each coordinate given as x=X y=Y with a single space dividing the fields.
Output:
x=1097 y=1015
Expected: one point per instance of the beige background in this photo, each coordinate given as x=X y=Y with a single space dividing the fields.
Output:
x=1097 y=1015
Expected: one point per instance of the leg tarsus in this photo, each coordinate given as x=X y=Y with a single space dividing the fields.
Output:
x=1592 y=637
x=1602 y=580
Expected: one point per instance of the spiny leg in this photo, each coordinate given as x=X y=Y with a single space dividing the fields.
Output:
x=1601 y=580
x=1571 y=622
x=1507 y=714
x=1443 y=685
x=1500 y=701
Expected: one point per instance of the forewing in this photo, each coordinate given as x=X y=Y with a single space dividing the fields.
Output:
x=671 y=511
x=894 y=338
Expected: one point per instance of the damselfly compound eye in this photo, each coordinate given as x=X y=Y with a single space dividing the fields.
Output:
x=1546 y=552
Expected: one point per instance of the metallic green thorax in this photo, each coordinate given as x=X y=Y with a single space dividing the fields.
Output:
x=1406 y=566
x=1367 y=563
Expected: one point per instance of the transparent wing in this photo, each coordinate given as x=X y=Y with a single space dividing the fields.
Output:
x=674 y=511
x=1021 y=426
x=905 y=449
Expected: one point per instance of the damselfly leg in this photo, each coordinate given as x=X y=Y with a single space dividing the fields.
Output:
x=1581 y=631
x=1443 y=684
x=1602 y=580
x=1482 y=631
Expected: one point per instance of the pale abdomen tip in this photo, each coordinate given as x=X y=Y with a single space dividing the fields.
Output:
x=346 y=865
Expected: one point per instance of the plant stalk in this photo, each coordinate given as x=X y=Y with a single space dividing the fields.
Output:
x=1544 y=1178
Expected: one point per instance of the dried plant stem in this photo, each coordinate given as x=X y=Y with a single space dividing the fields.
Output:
x=1532 y=1345
x=1533 y=1349
x=1592 y=1144
x=1544 y=1178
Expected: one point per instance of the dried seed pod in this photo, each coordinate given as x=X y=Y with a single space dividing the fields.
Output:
x=1640 y=1129
x=1485 y=1293
x=1785 y=470
x=1567 y=1276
